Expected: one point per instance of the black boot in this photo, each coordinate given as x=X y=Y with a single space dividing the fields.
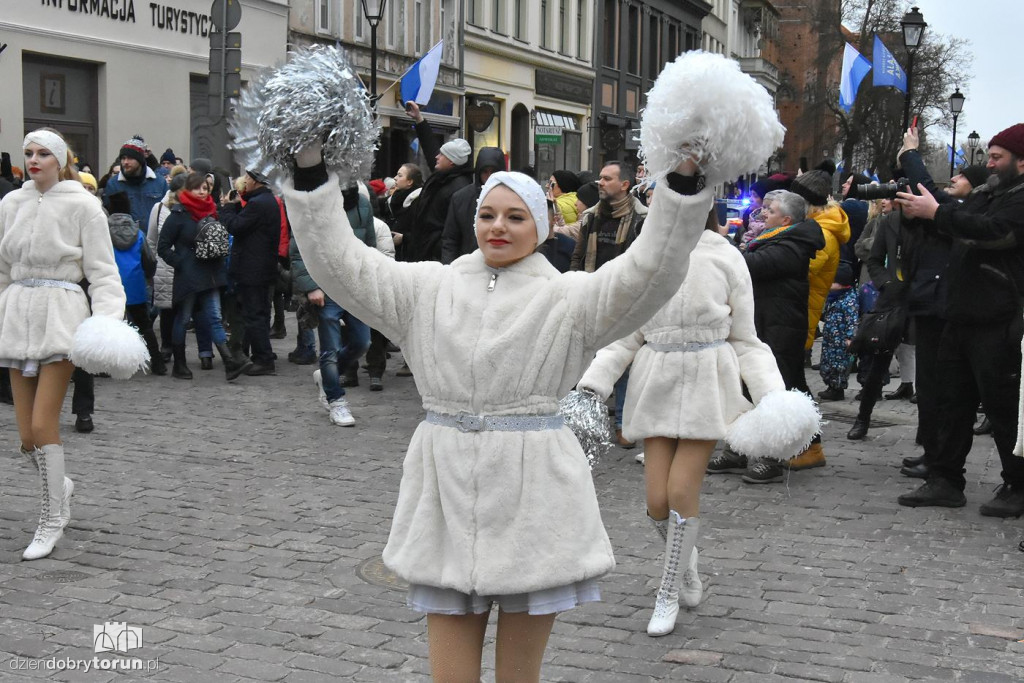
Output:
x=233 y=367
x=277 y=330
x=904 y=391
x=859 y=430
x=180 y=370
x=156 y=361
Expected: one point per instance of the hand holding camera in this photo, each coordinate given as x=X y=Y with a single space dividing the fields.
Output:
x=921 y=205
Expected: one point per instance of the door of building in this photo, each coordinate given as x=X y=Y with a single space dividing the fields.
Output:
x=62 y=94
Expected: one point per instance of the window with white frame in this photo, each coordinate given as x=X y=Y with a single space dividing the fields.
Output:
x=359 y=21
x=564 y=26
x=520 y=18
x=475 y=8
x=581 y=29
x=323 y=16
x=396 y=25
x=448 y=17
x=421 y=39
x=545 y=27
x=499 y=20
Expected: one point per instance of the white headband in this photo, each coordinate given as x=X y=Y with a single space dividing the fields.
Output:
x=528 y=190
x=50 y=141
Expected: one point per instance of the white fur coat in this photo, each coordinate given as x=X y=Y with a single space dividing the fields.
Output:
x=496 y=512
x=59 y=235
x=693 y=394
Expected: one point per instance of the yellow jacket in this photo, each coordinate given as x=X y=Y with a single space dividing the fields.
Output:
x=835 y=226
x=565 y=203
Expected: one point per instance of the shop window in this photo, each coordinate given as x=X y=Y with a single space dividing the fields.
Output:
x=564 y=155
x=611 y=34
x=633 y=40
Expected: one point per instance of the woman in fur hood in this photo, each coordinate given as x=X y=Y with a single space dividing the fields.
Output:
x=690 y=364
x=54 y=235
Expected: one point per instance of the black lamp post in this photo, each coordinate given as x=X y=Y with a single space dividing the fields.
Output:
x=956 y=105
x=373 y=10
x=972 y=144
x=913 y=32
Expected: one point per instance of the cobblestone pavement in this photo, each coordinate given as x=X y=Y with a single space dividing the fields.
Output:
x=243 y=533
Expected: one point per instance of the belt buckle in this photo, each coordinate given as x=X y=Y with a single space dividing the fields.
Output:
x=466 y=422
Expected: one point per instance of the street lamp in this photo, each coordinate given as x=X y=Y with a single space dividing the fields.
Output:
x=913 y=25
x=973 y=140
x=373 y=10
x=956 y=105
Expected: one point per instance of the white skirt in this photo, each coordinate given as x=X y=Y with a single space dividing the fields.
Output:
x=433 y=600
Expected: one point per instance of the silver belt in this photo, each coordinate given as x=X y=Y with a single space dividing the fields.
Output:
x=39 y=282
x=685 y=347
x=465 y=422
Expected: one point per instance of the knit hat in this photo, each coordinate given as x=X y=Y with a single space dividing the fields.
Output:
x=528 y=190
x=457 y=150
x=976 y=175
x=784 y=180
x=763 y=186
x=378 y=186
x=88 y=179
x=169 y=157
x=844 y=274
x=814 y=186
x=588 y=194
x=201 y=165
x=1011 y=139
x=258 y=177
x=135 y=148
x=567 y=181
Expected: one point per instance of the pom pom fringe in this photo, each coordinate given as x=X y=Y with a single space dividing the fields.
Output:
x=103 y=344
x=703 y=106
x=586 y=415
x=779 y=427
x=315 y=97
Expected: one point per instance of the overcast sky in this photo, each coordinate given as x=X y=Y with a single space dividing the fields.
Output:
x=995 y=98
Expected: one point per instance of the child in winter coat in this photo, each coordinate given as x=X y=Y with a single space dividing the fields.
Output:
x=840 y=318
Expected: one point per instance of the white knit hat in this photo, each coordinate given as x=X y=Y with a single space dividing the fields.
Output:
x=458 y=150
x=528 y=190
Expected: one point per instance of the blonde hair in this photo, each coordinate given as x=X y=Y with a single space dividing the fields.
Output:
x=875 y=208
x=177 y=170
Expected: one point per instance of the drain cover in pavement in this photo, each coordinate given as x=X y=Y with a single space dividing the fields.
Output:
x=373 y=571
x=62 y=576
x=849 y=419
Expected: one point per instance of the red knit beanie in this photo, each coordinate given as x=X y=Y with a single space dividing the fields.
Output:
x=1011 y=139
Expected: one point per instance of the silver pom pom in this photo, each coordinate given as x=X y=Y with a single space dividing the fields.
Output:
x=316 y=96
x=586 y=415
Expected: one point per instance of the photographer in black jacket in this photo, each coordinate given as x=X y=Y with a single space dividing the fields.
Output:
x=979 y=353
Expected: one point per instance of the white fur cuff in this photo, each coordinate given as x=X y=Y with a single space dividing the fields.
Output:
x=103 y=344
x=779 y=427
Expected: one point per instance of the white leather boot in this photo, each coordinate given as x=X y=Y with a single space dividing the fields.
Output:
x=55 y=504
x=661 y=526
x=682 y=536
x=692 y=589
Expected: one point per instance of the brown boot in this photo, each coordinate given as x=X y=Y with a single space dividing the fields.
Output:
x=621 y=440
x=814 y=456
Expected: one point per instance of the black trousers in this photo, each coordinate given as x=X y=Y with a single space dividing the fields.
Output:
x=978 y=362
x=877 y=368
x=83 y=400
x=377 y=354
x=255 y=302
x=789 y=356
x=928 y=382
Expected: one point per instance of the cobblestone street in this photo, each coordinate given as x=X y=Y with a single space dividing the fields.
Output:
x=242 y=532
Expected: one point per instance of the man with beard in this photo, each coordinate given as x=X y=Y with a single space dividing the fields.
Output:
x=606 y=231
x=980 y=348
x=137 y=180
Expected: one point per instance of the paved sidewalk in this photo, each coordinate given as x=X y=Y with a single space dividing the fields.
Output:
x=242 y=532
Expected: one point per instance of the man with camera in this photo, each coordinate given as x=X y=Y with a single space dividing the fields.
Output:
x=979 y=355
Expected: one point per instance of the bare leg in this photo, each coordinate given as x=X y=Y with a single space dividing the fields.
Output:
x=456 y=646
x=50 y=392
x=24 y=391
x=687 y=474
x=658 y=455
x=522 y=639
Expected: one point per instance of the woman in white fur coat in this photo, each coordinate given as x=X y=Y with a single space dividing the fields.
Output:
x=690 y=363
x=53 y=235
x=496 y=504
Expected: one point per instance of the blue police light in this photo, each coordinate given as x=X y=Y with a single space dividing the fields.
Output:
x=746 y=201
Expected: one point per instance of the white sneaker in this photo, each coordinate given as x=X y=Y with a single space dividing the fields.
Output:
x=340 y=414
x=319 y=382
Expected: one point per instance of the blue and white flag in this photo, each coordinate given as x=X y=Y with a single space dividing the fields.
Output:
x=959 y=158
x=418 y=82
x=887 y=70
x=855 y=67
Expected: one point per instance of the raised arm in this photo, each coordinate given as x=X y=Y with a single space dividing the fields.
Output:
x=624 y=293
x=376 y=289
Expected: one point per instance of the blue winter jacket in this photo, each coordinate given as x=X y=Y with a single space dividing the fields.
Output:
x=143 y=192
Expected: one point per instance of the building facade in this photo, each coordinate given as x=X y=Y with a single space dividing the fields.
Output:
x=101 y=71
x=407 y=31
x=529 y=79
x=636 y=39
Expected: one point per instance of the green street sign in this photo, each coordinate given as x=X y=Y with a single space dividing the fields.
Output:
x=548 y=135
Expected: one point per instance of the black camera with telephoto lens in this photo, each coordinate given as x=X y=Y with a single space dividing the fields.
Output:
x=871 y=191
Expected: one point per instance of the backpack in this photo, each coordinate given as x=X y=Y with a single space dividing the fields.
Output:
x=211 y=240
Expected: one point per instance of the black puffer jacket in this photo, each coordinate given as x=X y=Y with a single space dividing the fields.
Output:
x=778 y=269
x=459 y=236
x=256 y=229
x=177 y=247
x=431 y=208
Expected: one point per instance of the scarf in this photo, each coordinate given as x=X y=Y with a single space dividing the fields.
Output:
x=619 y=208
x=767 y=235
x=197 y=208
